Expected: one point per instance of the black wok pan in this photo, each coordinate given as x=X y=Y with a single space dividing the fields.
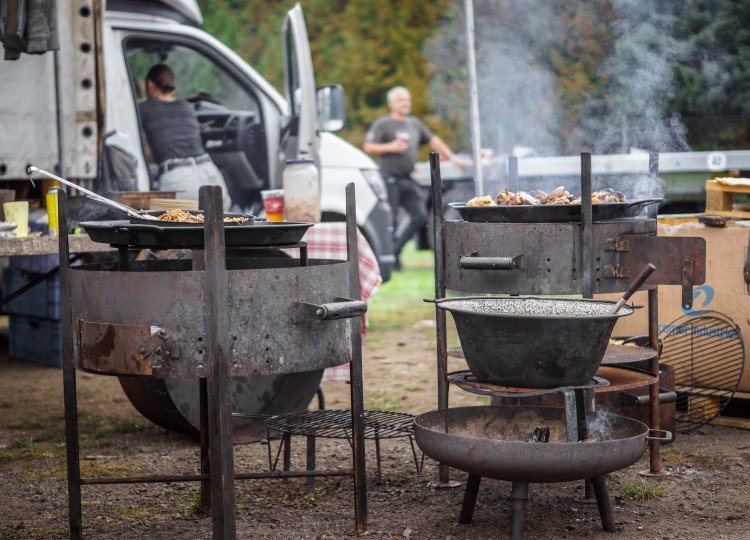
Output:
x=550 y=213
x=154 y=235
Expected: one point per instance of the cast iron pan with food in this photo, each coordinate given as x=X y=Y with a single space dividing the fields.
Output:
x=167 y=235
x=550 y=213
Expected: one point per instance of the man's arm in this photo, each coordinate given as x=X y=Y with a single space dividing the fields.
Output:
x=378 y=149
x=437 y=144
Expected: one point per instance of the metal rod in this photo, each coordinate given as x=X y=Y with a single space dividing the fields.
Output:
x=470 y=499
x=519 y=494
x=205 y=457
x=586 y=227
x=355 y=370
x=310 y=484
x=216 y=321
x=471 y=63
x=132 y=212
x=202 y=477
x=440 y=325
x=59 y=119
x=653 y=390
x=513 y=184
x=72 y=448
x=604 y=504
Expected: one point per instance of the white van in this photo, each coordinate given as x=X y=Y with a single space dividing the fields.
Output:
x=248 y=128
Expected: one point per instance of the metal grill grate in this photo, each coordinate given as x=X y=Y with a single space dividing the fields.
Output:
x=337 y=424
x=708 y=354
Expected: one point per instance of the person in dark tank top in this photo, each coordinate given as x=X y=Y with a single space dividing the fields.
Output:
x=173 y=140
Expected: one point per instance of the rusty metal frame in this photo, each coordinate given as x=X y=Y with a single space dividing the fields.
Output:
x=607 y=252
x=217 y=459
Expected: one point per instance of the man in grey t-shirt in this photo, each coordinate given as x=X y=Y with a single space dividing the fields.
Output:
x=395 y=140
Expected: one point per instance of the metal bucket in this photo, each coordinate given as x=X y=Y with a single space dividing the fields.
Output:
x=530 y=342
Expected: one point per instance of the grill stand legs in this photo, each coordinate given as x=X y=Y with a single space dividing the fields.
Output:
x=520 y=496
x=602 y=501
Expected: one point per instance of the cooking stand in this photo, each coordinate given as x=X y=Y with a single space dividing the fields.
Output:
x=559 y=258
x=168 y=348
x=578 y=400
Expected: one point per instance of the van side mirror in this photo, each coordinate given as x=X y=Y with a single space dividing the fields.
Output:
x=331 y=109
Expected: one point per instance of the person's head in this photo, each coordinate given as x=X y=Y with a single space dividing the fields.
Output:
x=399 y=101
x=160 y=81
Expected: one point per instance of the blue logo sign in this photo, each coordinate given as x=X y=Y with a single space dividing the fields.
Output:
x=708 y=296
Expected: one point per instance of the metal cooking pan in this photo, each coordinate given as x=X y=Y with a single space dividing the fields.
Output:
x=550 y=213
x=533 y=342
x=157 y=213
x=492 y=442
x=190 y=235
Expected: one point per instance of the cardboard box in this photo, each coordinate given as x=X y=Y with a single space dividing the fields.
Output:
x=725 y=289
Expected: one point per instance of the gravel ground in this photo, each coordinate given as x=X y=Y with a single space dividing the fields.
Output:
x=704 y=497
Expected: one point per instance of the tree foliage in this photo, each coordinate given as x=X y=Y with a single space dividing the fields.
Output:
x=368 y=46
x=561 y=76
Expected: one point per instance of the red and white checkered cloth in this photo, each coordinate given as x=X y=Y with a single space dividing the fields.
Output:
x=328 y=241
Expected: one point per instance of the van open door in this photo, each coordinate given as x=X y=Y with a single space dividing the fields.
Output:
x=301 y=136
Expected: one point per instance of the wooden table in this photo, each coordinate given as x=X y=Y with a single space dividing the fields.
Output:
x=46 y=245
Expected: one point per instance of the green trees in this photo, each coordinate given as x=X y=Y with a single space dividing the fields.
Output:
x=559 y=76
x=367 y=46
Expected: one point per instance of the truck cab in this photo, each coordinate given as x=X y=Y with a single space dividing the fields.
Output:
x=248 y=128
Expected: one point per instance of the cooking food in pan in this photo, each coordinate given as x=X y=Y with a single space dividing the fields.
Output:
x=538 y=197
x=180 y=216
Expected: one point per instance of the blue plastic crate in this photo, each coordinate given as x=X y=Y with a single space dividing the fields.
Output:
x=35 y=340
x=41 y=301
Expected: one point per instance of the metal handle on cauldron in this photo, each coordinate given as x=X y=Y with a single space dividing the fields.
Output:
x=659 y=435
x=132 y=212
x=472 y=262
x=344 y=309
x=643 y=276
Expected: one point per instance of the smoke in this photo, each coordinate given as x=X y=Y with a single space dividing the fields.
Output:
x=530 y=61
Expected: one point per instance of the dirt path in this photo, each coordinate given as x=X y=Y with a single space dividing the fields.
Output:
x=705 y=496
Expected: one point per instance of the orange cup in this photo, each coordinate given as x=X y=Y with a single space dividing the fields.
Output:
x=273 y=202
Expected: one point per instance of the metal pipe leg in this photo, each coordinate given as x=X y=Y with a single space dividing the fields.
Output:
x=470 y=499
x=589 y=493
x=310 y=463
x=286 y=442
x=378 y=458
x=520 y=494
x=602 y=501
x=205 y=460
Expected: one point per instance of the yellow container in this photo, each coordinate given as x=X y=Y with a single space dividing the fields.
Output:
x=18 y=213
x=51 y=201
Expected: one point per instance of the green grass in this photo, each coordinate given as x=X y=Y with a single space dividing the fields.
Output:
x=381 y=400
x=643 y=491
x=398 y=303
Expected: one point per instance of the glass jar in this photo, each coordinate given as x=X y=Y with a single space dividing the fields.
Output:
x=301 y=191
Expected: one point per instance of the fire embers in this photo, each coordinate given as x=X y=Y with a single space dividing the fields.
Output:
x=540 y=434
x=538 y=197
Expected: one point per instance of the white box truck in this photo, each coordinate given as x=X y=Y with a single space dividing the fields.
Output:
x=75 y=111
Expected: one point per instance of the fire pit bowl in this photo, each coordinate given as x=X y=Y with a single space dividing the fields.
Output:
x=530 y=342
x=493 y=442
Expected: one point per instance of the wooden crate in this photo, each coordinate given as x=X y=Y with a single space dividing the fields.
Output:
x=720 y=200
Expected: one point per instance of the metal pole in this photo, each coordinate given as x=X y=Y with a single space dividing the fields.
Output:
x=586 y=226
x=355 y=370
x=72 y=448
x=473 y=98
x=219 y=379
x=439 y=254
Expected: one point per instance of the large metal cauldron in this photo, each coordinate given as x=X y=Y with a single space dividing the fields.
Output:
x=493 y=442
x=533 y=342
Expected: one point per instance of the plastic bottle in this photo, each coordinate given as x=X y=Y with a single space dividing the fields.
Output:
x=301 y=191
